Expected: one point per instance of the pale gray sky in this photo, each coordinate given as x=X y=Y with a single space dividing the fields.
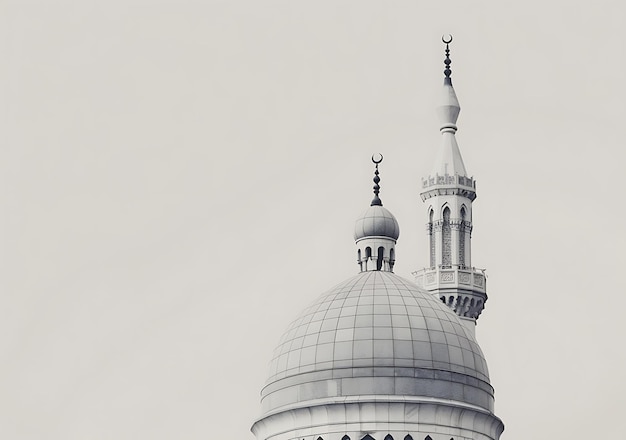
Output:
x=180 y=178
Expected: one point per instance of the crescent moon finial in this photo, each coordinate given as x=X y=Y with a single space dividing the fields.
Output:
x=447 y=71
x=376 y=201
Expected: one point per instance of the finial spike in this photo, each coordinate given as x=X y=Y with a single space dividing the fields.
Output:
x=376 y=200
x=447 y=61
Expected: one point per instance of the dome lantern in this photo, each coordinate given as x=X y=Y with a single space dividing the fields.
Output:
x=376 y=232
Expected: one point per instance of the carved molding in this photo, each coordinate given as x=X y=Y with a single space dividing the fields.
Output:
x=464 y=305
x=479 y=280
x=447 y=277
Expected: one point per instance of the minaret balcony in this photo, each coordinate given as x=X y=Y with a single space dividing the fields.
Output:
x=452 y=277
x=448 y=185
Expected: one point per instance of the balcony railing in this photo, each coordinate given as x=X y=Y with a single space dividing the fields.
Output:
x=451 y=276
x=448 y=179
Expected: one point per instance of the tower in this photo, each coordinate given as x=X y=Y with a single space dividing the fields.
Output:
x=378 y=357
x=448 y=193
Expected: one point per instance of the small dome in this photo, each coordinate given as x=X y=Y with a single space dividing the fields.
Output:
x=377 y=334
x=376 y=221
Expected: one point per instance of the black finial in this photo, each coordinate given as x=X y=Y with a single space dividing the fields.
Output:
x=447 y=61
x=376 y=200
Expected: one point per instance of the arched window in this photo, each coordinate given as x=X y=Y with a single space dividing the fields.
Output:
x=379 y=260
x=345 y=437
x=388 y=437
x=428 y=437
x=446 y=239
x=392 y=258
x=368 y=255
x=369 y=437
x=462 y=238
x=358 y=256
x=408 y=437
x=431 y=234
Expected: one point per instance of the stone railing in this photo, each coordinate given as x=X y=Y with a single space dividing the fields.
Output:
x=450 y=277
x=461 y=288
x=447 y=179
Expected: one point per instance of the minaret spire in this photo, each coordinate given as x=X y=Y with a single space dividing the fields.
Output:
x=449 y=161
x=448 y=194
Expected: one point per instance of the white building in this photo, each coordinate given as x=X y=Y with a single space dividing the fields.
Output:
x=379 y=358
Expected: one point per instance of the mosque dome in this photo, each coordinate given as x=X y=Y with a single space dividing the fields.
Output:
x=376 y=221
x=376 y=334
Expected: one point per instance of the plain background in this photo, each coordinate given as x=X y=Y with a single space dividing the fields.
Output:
x=180 y=178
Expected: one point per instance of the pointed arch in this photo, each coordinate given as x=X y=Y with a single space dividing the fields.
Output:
x=392 y=258
x=388 y=437
x=446 y=239
x=345 y=437
x=408 y=437
x=445 y=206
x=428 y=437
x=369 y=437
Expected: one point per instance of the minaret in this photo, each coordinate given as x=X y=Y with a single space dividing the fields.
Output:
x=376 y=232
x=448 y=194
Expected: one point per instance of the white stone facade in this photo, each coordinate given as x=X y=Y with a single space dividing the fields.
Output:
x=379 y=418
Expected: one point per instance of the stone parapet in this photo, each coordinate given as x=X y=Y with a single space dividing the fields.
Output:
x=463 y=289
x=447 y=179
x=448 y=185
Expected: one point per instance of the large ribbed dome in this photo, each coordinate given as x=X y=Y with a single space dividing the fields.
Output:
x=377 y=334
